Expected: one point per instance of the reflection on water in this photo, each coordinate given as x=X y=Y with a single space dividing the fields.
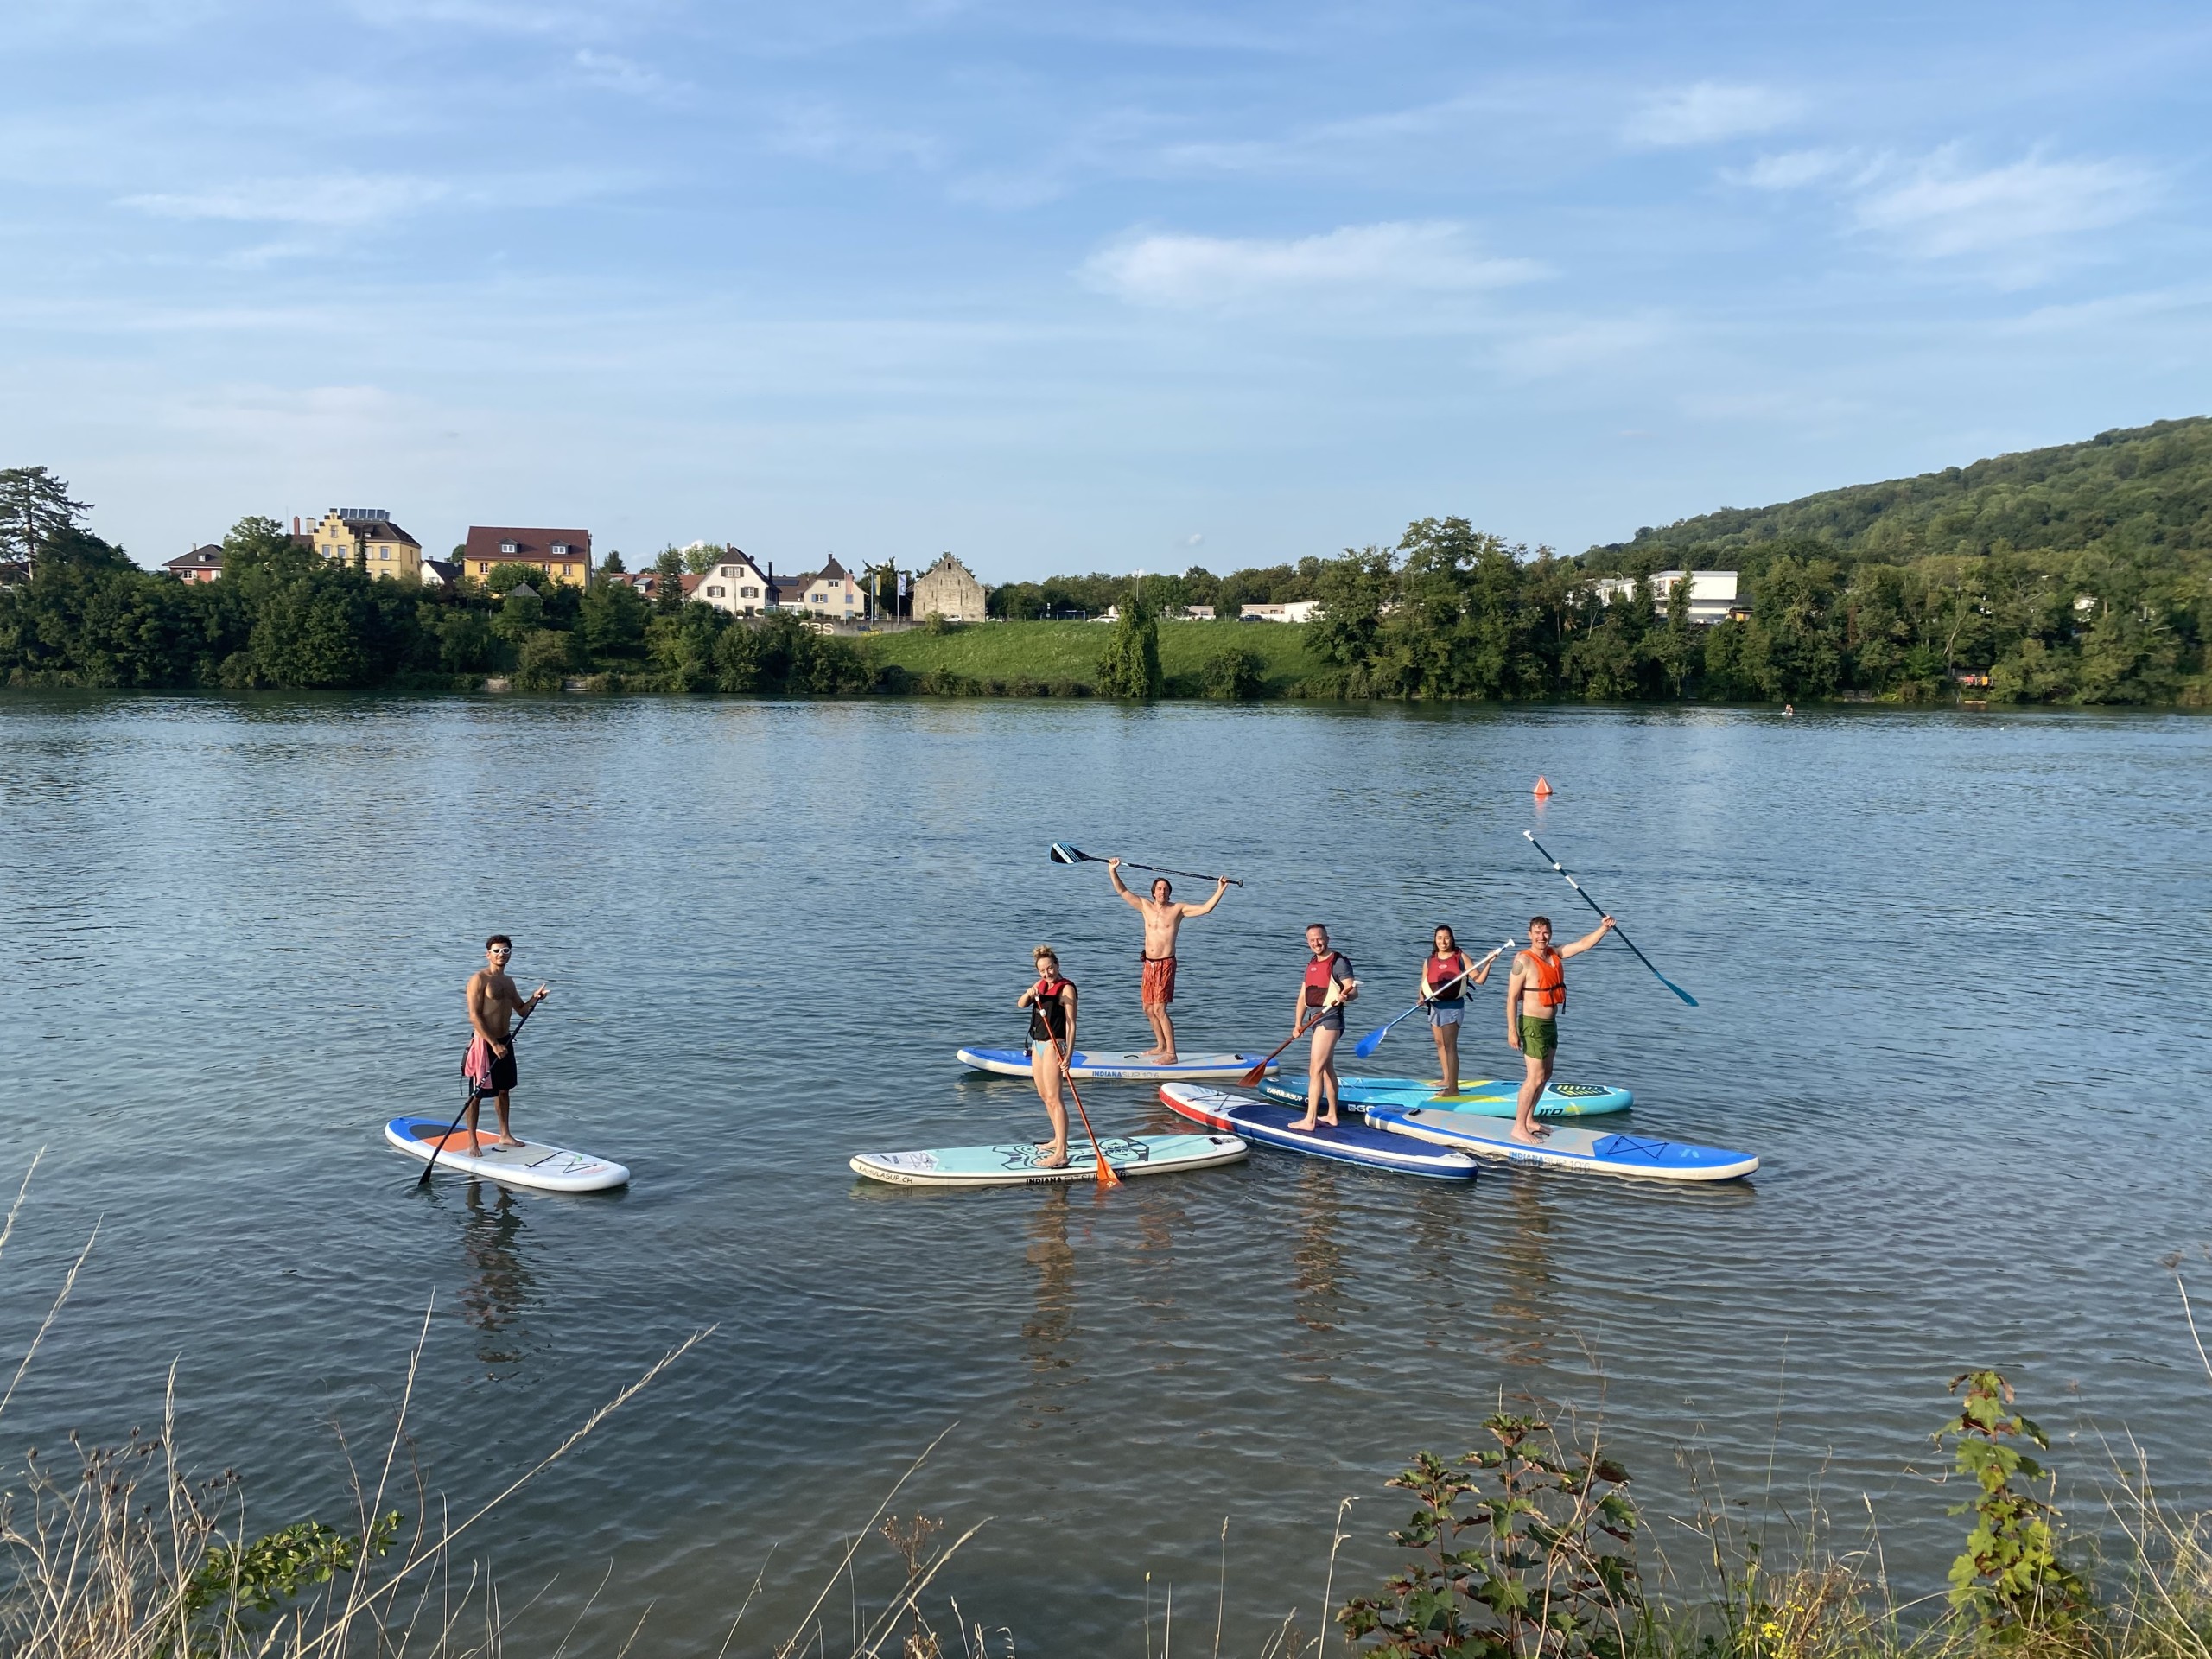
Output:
x=1051 y=1321
x=499 y=1284
x=706 y=1032
x=1317 y=1264
x=1523 y=1310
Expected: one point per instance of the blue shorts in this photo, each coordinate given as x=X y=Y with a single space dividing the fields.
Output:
x=1445 y=1014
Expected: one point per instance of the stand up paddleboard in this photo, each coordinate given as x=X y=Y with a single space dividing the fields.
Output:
x=1645 y=1157
x=1017 y=1164
x=1093 y=1065
x=1348 y=1143
x=1482 y=1096
x=549 y=1169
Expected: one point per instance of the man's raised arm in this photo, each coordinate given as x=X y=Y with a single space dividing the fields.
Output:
x=1113 y=875
x=1220 y=886
x=1588 y=939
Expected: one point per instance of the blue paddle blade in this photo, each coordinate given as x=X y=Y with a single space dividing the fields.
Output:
x=1367 y=1044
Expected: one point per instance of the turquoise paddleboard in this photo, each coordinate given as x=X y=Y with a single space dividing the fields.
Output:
x=1483 y=1096
x=1019 y=1163
x=1645 y=1157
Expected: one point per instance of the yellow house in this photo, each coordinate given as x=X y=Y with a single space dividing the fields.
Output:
x=385 y=550
x=563 y=555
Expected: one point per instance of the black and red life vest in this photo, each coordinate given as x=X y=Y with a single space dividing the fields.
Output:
x=1318 y=974
x=1442 y=971
x=1048 y=1015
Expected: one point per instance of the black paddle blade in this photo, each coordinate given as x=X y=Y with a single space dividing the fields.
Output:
x=1064 y=854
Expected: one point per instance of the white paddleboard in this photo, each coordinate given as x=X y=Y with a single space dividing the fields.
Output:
x=549 y=1169
x=1096 y=1065
x=1608 y=1152
x=1019 y=1163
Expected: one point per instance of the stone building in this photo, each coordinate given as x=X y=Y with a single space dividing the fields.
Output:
x=948 y=588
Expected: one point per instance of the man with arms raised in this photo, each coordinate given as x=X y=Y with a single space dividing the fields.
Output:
x=1534 y=997
x=1162 y=919
x=490 y=1067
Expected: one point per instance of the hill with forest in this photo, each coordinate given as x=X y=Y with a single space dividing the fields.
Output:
x=2133 y=489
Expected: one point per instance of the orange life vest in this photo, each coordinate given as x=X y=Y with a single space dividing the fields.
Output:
x=1546 y=985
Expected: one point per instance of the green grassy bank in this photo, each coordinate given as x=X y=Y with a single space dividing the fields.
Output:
x=1061 y=658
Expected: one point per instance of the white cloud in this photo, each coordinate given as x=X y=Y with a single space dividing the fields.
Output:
x=1709 y=112
x=1792 y=169
x=333 y=199
x=1356 y=261
x=820 y=131
x=617 y=74
x=1941 y=209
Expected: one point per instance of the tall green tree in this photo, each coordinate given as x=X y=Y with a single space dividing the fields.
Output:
x=36 y=510
x=1130 y=665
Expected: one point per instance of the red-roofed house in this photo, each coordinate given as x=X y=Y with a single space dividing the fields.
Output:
x=563 y=555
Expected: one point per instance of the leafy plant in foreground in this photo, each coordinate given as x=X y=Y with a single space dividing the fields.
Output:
x=1539 y=1579
x=2009 y=1576
x=261 y=1576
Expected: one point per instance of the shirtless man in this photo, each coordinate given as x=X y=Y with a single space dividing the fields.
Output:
x=490 y=1067
x=1534 y=997
x=1162 y=917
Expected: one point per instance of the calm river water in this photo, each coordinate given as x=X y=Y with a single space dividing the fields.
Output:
x=1952 y=971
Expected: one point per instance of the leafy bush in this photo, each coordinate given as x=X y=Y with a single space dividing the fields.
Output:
x=1549 y=1573
x=1233 y=674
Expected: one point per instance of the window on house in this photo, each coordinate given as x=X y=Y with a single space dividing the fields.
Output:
x=714 y=592
x=510 y=547
x=822 y=599
x=560 y=547
x=384 y=552
x=748 y=593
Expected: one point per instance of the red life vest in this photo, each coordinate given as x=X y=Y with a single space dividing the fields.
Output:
x=1318 y=974
x=1441 y=971
x=1546 y=986
x=1048 y=1015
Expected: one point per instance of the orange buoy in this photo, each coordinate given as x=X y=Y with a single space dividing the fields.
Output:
x=1543 y=789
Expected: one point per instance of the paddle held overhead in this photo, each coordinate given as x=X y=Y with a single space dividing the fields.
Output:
x=1064 y=854
x=1531 y=838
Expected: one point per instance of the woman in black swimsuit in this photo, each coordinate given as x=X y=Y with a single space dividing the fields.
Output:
x=1051 y=1002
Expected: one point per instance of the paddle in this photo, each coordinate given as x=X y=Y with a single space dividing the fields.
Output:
x=475 y=1095
x=1251 y=1079
x=1367 y=1044
x=1106 y=1175
x=1600 y=909
x=1064 y=854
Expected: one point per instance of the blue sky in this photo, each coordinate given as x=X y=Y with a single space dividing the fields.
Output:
x=1079 y=286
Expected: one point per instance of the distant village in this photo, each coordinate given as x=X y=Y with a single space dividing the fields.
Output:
x=833 y=596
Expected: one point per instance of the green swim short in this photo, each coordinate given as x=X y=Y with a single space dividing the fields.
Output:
x=1539 y=1038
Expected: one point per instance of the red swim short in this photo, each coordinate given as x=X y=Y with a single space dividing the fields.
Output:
x=1159 y=982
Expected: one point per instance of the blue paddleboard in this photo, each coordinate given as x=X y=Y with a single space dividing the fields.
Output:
x=1350 y=1143
x=1645 y=1157
x=1019 y=1163
x=1091 y=1065
x=1483 y=1096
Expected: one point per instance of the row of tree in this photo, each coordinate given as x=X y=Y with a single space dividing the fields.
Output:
x=1094 y=595
x=282 y=617
x=1452 y=612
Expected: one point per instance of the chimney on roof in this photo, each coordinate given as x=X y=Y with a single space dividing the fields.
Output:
x=295 y=523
